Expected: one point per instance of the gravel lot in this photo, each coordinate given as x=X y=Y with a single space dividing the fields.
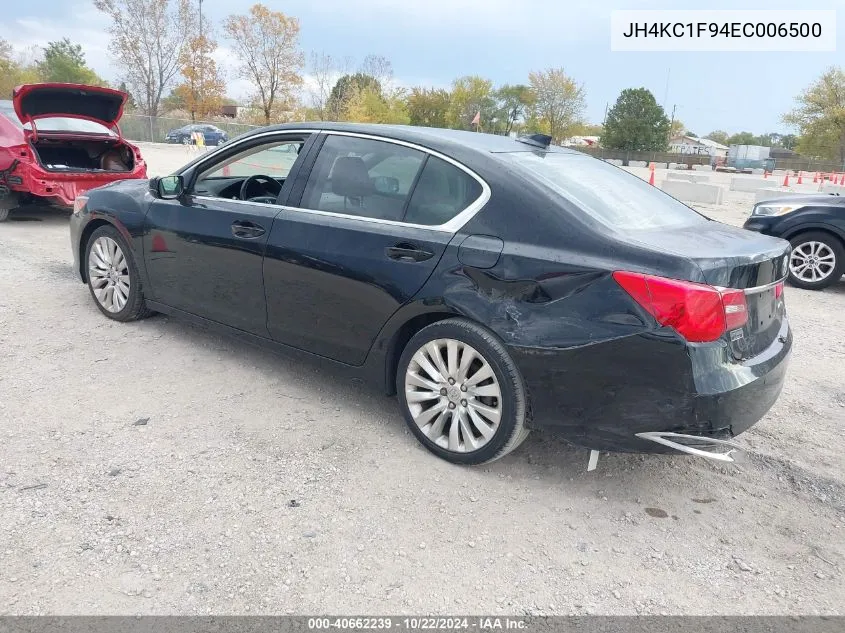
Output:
x=156 y=468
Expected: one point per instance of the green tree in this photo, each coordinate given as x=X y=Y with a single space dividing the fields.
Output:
x=743 y=138
x=64 y=62
x=636 y=122
x=429 y=107
x=720 y=136
x=513 y=102
x=789 y=141
x=819 y=115
x=557 y=103
x=347 y=88
x=470 y=95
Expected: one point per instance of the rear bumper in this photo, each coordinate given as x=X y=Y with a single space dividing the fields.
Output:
x=63 y=187
x=601 y=396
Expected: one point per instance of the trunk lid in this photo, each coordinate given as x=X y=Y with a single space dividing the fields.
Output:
x=92 y=103
x=730 y=257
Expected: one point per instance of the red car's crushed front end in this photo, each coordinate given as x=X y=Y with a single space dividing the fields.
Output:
x=57 y=141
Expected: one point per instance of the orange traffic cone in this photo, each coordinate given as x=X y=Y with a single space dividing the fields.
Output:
x=786 y=179
x=651 y=178
x=765 y=174
x=800 y=179
x=815 y=177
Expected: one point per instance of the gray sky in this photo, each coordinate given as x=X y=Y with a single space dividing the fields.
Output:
x=430 y=42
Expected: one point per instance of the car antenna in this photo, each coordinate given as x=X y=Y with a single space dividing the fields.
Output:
x=537 y=140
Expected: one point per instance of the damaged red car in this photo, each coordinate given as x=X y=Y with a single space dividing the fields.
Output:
x=58 y=141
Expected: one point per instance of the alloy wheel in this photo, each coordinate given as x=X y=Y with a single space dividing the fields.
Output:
x=108 y=271
x=453 y=395
x=812 y=261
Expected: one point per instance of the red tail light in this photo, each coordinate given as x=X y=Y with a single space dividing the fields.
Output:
x=698 y=312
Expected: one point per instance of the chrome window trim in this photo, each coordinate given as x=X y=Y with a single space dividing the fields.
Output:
x=197 y=167
x=217 y=199
x=452 y=226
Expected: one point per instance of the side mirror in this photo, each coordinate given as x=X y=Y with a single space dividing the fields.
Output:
x=168 y=187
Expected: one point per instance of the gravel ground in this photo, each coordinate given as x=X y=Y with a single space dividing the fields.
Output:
x=156 y=468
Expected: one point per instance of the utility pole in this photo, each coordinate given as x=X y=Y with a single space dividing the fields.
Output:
x=201 y=51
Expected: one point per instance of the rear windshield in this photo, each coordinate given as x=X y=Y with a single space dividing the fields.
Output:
x=606 y=193
x=55 y=123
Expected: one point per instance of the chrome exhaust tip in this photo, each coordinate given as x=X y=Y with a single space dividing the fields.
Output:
x=662 y=437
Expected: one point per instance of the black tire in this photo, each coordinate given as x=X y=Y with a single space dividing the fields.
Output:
x=515 y=411
x=4 y=215
x=835 y=247
x=135 y=307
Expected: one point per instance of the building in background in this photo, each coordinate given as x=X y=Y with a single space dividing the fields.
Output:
x=694 y=145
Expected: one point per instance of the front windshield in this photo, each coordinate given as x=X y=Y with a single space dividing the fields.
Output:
x=606 y=193
x=55 y=123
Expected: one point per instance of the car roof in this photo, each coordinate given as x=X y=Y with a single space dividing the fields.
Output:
x=434 y=138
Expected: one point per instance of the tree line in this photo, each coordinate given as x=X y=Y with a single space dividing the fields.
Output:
x=165 y=49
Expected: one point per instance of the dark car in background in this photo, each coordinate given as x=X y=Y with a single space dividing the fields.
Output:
x=496 y=285
x=212 y=134
x=60 y=140
x=815 y=226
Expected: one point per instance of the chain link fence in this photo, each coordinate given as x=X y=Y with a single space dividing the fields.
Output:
x=138 y=127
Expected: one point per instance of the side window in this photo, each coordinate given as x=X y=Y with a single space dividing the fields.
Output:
x=274 y=160
x=443 y=191
x=362 y=177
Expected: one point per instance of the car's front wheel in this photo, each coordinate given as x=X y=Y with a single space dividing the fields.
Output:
x=817 y=260
x=461 y=394
x=113 y=277
x=4 y=215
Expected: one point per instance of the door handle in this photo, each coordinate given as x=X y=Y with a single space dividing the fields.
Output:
x=247 y=230
x=407 y=253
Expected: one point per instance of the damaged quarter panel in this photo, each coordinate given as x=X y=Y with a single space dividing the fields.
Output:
x=124 y=205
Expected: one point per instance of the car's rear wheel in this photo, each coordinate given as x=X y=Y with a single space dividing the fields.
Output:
x=816 y=261
x=4 y=215
x=461 y=394
x=113 y=276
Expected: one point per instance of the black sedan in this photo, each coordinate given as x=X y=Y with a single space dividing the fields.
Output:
x=496 y=285
x=212 y=135
x=815 y=225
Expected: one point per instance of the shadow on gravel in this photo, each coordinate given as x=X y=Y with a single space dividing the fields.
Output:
x=39 y=213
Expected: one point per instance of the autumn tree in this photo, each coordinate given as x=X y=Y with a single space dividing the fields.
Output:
x=267 y=45
x=429 y=107
x=14 y=71
x=677 y=128
x=368 y=105
x=558 y=102
x=819 y=114
x=636 y=122
x=470 y=95
x=203 y=88
x=147 y=40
